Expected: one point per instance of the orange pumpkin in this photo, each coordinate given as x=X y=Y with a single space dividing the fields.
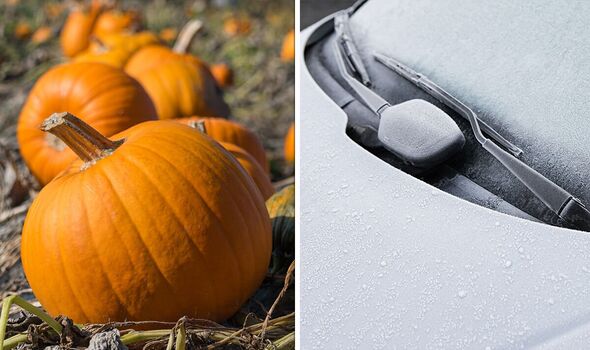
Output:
x=288 y=49
x=251 y=165
x=168 y=34
x=237 y=26
x=223 y=74
x=147 y=58
x=223 y=130
x=75 y=34
x=22 y=30
x=180 y=85
x=116 y=49
x=115 y=21
x=159 y=224
x=105 y=97
x=289 y=146
x=41 y=35
x=258 y=174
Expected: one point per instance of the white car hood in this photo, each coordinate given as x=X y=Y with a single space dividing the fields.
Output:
x=388 y=261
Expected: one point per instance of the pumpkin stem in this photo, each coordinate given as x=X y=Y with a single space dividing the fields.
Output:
x=87 y=143
x=186 y=35
x=199 y=125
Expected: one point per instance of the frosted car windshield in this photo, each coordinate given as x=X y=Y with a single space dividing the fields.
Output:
x=543 y=183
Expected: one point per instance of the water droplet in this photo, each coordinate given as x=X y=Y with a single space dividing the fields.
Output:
x=507 y=264
x=371 y=210
x=383 y=263
x=551 y=301
x=497 y=223
x=521 y=250
x=462 y=294
x=434 y=193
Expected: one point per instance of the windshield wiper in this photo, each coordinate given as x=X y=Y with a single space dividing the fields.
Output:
x=437 y=92
x=344 y=38
x=561 y=202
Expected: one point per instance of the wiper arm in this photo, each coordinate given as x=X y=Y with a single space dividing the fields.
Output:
x=373 y=101
x=344 y=38
x=437 y=92
x=565 y=205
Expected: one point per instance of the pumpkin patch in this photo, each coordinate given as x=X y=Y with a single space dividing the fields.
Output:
x=133 y=194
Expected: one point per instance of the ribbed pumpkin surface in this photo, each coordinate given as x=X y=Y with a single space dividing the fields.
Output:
x=259 y=175
x=179 y=85
x=223 y=130
x=165 y=226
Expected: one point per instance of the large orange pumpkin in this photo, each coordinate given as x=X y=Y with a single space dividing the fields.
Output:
x=289 y=146
x=180 y=85
x=105 y=97
x=159 y=224
x=223 y=130
x=75 y=34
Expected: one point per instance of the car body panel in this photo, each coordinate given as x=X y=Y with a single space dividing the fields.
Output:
x=388 y=261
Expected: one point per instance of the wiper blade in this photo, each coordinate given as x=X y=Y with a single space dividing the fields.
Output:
x=344 y=38
x=437 y=92
x=565 y=205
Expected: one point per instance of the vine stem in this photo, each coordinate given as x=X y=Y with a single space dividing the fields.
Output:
x=15 y=340
x=137 y=336
x=181 y=337
x=25 y=305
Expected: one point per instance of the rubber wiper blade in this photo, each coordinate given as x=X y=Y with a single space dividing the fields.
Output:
x=440 y=94
x=348 y=47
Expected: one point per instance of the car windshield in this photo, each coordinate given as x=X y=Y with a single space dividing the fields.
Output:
x=520 y=69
